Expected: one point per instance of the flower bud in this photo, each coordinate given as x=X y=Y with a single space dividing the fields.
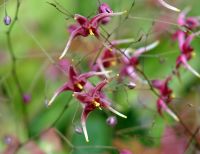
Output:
x=111 y=121
x=7 y=20
x=7 y=140
x=131 y=85
x=26 y=98
x=78 y=130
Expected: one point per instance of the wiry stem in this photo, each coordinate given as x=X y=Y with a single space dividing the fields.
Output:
x=14 y=69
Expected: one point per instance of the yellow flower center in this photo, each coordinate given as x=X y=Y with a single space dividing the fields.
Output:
x=113 y=63
x=91 y=32
x=79 y=86
x=193 y=54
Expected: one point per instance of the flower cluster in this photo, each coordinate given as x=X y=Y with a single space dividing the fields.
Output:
x=91 y=97
x=126 y=61
x=184 y=40
x=85 y=26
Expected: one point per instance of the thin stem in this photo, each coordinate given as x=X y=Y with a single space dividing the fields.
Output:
x=14 y=69
x=191 y=139
x=65 y=139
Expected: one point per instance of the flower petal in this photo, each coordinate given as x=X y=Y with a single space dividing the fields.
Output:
x=90 y=74
x=83 y=122
x=182 y=17
x=72 y=36
x=116 y=112
x=142 y=50
x=72 y=73
x=98 y=88
x=98 y=18
x=161 y=104
x=81 y=19
x=65 y=87
x=162 y=2
x=123 y=41
x=187 y=66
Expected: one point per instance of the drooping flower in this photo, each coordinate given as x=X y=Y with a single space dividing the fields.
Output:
x=109 y=56
x=94 y=99
x=184 y=40
x=85 y=26
x=129 y=64
x=187 y=52
x=168 y=6
x=163 y=88
x=165 y=96
x=76 y=82
x=188 y=22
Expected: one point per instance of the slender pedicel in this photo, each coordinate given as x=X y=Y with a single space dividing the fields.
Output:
x=169 y=6
x=116 y=112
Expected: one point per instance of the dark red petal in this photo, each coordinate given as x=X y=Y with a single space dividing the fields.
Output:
x=73 y=27
x=72 y=74
x=81 y=19
x=186 y=45
x=98 y=88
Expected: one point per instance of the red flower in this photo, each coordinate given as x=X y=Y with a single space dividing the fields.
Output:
x=76 y=82
x=163 y=87
x=165 y=96
x=189 y=22
x=129 y=65
x=92 y=100
x=85 y=26
x=105 y=8
x=187 y=52
x=109 y=56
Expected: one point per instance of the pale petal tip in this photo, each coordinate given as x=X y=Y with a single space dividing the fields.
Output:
x=85 y=132
x=48 y=103
x=61 y=57
x=87 y=140
x=168 y=6
x=116 y=112
x=172 y=114
x=192 y=70
x=125 y=117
